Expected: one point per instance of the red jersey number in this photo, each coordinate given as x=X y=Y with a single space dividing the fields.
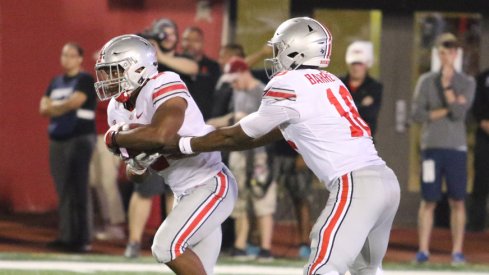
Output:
x=358 y=127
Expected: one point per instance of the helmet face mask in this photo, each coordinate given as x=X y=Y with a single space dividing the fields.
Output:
x=125 y=64
x=111 y=81
x=299 y=41
x=273 y=65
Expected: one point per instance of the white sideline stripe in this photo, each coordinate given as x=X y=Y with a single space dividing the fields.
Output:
x=134 y=267
x=130 y=267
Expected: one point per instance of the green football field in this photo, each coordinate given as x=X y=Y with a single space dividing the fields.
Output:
x=57 y=264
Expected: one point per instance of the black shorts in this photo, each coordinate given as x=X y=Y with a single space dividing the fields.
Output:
x=439 y=164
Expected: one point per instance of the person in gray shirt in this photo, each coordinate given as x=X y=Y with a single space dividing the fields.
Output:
x=440 y=104
x=249 y=167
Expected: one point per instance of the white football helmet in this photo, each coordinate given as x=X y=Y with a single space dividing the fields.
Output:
x=124 y=64
x=299 y=41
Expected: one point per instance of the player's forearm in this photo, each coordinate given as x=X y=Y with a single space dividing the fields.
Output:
x=231 y=139
x=219 y=140
x=144 y=138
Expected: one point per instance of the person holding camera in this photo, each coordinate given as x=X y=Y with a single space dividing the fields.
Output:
x=163 y=34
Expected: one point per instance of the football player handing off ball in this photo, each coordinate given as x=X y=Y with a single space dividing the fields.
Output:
x=314 y=111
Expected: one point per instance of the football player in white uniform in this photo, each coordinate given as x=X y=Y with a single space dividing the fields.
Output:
x=313 y=110
x=158 y=107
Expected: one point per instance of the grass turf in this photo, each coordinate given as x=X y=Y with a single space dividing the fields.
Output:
x=94 y=258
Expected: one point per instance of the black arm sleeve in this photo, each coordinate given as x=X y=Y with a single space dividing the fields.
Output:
x=481 y=102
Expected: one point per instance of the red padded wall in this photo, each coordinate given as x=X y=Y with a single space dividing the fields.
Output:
x=31 y=36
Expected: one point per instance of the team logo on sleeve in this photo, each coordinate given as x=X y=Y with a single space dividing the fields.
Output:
x=279 y=94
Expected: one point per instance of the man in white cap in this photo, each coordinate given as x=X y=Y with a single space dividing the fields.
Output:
x=366 y=91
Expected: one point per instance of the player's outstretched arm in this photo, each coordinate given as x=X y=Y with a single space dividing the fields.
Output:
x=166 y=122
x=231 y=138
x=254 y=130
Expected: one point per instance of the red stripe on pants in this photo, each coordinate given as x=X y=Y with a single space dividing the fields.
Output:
x=328 y=234
x=199 y=216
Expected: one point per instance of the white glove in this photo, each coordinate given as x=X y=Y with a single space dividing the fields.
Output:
x=139 y=164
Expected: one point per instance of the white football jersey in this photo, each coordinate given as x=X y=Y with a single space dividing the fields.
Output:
x=328 y=130
x=180 y=174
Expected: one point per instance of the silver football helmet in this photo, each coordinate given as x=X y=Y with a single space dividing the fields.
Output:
x=299 y=41
x=124 y=64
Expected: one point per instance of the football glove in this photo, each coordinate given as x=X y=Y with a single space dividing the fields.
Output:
x=139 y=164
x=110 y=138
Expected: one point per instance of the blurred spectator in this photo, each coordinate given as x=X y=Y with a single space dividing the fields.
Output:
x=228 y=51
x=259 y=55
x=478 y=206
x=224 y=91
x=163 y=34
x=288 y=168
x=203 y=84
x=440 y=103
x=249 y=167
x=70 y=102
x=103 y=178
x=366 y=91
x=231 y=50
